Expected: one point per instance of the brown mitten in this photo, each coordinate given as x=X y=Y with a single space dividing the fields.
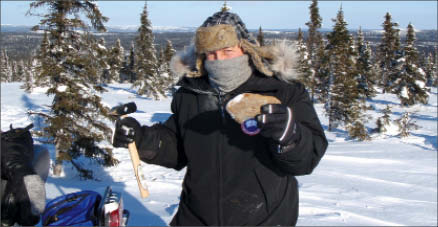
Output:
x=244 y=107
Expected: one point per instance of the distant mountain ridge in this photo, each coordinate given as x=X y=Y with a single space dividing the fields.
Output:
x=161 y=29
x=134 y=28
x=117 y=28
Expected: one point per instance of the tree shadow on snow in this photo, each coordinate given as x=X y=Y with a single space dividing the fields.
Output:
x=417 y=116
x=129 y=90
x=71 y=182
x=38 y=121
x=431 y=140
x=382 y=101
x=425 y=117
x=337 y=132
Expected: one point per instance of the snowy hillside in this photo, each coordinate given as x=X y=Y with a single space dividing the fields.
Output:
x=385 y=181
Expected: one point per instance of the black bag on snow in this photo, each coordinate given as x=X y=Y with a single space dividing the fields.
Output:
x=16 y=146
x=16 y=162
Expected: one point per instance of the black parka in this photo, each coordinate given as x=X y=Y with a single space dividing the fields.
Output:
x=233 y=178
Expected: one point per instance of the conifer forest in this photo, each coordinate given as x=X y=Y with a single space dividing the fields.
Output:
x=75 y=58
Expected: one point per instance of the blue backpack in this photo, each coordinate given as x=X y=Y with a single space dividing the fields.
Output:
x=74 y=209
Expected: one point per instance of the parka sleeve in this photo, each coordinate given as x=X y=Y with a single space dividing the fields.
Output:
x=168 y=151
x=304 y=154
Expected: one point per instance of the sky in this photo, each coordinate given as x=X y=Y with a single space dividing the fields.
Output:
x=267 y=14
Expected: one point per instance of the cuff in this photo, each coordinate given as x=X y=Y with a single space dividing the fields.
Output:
x=148 y=143
x=291 y=142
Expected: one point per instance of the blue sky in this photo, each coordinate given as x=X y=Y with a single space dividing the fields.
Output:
x=268 y=14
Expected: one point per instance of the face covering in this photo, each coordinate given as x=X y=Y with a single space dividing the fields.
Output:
x=227 y=75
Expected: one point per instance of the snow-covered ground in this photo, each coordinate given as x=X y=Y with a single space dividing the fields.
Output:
x=385 y=181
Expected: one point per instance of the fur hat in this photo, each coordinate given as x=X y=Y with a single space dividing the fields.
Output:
x=222 y=29
x=226 y=29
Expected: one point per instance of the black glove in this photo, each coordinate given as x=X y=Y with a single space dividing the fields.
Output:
x=276 y=122
x=127 y=130
x=146 y=138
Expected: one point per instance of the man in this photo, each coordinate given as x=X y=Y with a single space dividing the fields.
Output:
x=233 y=178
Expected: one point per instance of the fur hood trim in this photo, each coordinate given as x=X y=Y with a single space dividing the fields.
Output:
x=279 y=60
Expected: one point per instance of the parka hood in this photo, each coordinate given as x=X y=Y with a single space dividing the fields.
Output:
x=279 y=60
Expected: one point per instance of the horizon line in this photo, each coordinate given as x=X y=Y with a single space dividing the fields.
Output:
x=194 y=27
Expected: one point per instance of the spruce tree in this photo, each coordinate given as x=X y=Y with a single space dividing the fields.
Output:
x=388 y=52
x=322 y=75
x=435 y=69
x=75 y=123
x=162 y=60
x=304 y=67
x=300 y=37
x=365 y=69
x=163 y=78
x=406 y=124
x=19 y=76
x=27 y=78
x=260 y=37
x=115 y=61
x=314 y=42
x=95 y=59
x=44 y=66
x=169 y=51
x=343 y=106
x=146 y=63
x=410 y=85
x=5 y=69
x=356 y=127
x=384 y=121
x=431 y=69
x=129 y=64
x=31 y=70
x=100 y=55
x=14 y=71
x=165 y=58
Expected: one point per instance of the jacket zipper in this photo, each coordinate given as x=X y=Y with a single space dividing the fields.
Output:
x=221 y=105
x=220 y=191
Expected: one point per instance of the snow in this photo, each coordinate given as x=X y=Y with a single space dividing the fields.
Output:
x=401 y=60
x=100 y=46
x=385 y=181
x=421 y=71
x=404 y=93
x=420 y=84
x=392 y=129
x=62 y=88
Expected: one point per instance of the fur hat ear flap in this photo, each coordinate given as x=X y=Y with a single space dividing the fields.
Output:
x=285 y=65
x=187 y=63
x=257 y=55
x=199 y=66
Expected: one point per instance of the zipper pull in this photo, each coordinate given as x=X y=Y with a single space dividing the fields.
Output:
x=221 y=105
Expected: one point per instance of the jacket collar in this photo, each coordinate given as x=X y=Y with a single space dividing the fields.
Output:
x=256 y=83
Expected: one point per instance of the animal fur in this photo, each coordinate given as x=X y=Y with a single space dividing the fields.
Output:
x=215 y=38
x=280 y=60
x=248 y=105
